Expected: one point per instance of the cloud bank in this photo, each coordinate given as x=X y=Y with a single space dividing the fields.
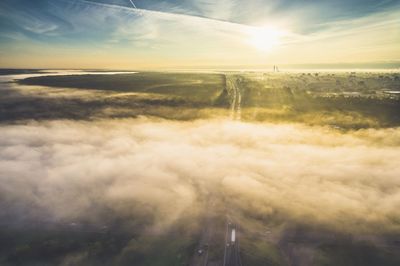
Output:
x=127 y=169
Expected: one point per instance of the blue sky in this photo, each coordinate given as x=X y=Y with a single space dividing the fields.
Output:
x=112 y=34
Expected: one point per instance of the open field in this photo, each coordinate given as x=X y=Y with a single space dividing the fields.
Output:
x=345 y=100
x=197 y=88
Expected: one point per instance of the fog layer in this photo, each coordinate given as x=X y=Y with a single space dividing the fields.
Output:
x=130 y=168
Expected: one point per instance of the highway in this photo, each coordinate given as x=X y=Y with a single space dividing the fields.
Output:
x=232 y=248
x=235 y=95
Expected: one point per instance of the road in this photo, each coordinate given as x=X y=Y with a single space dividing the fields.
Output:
x=232 y=248
x=235 y=95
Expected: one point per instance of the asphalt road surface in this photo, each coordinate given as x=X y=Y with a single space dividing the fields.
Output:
x=232 y=248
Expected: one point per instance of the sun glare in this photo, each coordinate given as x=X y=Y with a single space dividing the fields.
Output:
x=265 y=38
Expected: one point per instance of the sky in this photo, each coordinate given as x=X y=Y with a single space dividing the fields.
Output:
x=113 y=34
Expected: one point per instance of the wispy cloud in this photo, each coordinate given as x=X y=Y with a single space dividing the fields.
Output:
x=206 y=31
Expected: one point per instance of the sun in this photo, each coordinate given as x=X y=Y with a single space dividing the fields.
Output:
x=265 y=38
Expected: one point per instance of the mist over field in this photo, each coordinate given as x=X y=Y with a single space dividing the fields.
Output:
x=83 y=171
x=158 y=168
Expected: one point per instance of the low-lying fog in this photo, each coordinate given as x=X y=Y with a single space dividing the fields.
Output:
x=98 y=171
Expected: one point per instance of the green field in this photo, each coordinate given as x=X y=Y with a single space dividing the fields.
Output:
x=193 y=87
x=343 y=100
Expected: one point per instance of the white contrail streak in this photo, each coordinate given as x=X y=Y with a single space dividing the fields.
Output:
x=159 y=13
x=175 y=16
x=133 y=4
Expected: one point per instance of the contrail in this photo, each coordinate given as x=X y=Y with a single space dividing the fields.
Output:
x=154 y=12
x=133 y=4
x=160 y=14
